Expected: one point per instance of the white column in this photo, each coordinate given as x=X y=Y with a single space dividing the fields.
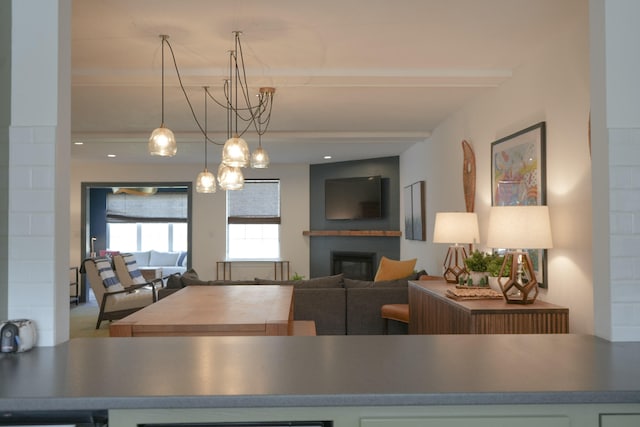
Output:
x=615 y=67
x=39 y=147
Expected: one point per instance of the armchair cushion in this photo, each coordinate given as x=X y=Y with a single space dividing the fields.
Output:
x=132 y=268
x=109 y=278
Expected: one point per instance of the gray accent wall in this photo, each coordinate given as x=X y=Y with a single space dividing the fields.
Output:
x=321 y=247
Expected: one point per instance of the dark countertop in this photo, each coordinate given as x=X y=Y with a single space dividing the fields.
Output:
x=101 y=373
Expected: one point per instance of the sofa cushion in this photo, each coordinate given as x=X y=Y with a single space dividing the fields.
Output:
x=231 y=282
x=354 y=284
x=142 y=258
x=335 y=281
x=159 y=259
x=325 y=306
x=390 y=269
x=364 y=306
x=190 y=278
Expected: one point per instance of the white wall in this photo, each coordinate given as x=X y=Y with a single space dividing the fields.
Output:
x=552 y=87
x=209 y=211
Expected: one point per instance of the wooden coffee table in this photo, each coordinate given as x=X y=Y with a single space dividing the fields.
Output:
x=213 y=310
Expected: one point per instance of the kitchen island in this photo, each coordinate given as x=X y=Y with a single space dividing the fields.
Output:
x=542 y=380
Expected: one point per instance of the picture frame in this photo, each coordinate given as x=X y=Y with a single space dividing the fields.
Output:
x=414 y=212
x=518 y=177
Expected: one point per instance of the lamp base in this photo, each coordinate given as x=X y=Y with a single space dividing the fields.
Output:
x=453 y=264
x=521 y=287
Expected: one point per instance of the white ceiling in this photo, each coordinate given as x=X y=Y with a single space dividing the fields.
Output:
x=354 y=78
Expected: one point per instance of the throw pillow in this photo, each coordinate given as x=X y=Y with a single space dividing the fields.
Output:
x=174 y=282
x=190 y=277
x=390 y=269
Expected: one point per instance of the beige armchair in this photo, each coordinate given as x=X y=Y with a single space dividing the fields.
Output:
x=115 y=301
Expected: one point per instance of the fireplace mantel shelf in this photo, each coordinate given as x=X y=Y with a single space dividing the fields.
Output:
x=365 y=233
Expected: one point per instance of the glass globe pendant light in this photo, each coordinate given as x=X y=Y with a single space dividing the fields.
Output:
x=230 y=178
x=162 y=142
x=206 y=182
x=235 y=152
x=259 y=157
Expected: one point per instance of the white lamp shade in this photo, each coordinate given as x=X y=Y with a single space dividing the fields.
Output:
x=235 y=152
x=519 y=227
x=456 y=227
x=206 y=182
x=162 y=142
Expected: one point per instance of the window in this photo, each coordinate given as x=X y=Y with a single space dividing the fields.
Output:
x=253 y=220
x=134 y=237
x=142 y=223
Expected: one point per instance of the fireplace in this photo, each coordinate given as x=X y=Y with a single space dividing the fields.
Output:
x=354 y=265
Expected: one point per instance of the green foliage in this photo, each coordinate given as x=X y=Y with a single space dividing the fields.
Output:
x=495 y=264
x=296 y=276
x=477 y=261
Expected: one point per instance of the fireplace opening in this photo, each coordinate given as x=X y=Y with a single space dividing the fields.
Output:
x=353 y=265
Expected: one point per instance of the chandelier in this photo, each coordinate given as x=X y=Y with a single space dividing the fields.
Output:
x=244 y=112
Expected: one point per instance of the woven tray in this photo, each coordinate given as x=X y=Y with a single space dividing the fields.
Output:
x=473 y=293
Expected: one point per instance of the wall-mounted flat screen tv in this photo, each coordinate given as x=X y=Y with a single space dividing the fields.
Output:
x=353 y=198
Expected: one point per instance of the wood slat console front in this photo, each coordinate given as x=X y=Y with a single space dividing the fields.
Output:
x=432 y=312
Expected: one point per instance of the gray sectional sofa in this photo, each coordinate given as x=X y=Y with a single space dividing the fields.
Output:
x=338 y=305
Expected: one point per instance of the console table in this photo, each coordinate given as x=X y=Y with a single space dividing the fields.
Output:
x=279 y=266
x=432 y=312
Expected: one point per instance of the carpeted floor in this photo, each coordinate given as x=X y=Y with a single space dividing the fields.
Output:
x=83 y=318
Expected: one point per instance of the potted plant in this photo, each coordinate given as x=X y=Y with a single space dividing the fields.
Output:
x=493 y=268
x=477 y=264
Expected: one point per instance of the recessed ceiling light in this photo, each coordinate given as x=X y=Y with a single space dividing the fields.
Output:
x=78 y=143
x=327 y=157
x=111 y=155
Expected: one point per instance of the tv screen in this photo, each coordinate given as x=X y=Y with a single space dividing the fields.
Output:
x=353 y=198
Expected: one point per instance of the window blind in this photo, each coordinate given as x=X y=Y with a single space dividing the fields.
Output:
x=159 y=207
x=257 y=203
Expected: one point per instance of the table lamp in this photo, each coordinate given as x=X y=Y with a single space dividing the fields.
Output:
x=455 y=228
x=516 y=228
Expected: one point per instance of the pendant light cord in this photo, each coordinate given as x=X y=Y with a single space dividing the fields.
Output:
x=206 y=90
x=164 y=39
x=255 y=112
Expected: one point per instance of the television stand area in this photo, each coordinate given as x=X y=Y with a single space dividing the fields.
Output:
x=351 y=233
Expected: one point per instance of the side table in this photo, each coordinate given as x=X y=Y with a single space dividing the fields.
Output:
x=151 y=273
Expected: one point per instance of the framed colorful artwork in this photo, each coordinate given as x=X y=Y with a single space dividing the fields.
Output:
x=518 y=170
x=518 y=177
